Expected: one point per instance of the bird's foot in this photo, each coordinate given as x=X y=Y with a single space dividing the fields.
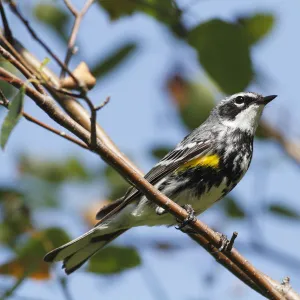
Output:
x=191 y=218
x=226 y=245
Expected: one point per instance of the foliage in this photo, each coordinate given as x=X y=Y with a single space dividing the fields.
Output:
x=13 y=116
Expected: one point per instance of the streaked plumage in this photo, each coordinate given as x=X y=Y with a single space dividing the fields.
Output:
x=203 y=168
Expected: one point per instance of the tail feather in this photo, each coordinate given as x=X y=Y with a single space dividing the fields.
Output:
x=77 y=252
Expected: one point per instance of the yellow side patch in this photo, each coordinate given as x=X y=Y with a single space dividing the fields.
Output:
x=202 y=161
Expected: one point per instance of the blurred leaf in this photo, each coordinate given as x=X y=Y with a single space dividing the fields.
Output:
x=164 y=11
x=113 y=60
x=113 y=260
x=54 y=17
x=160 y=152
x=54 y=171
x=257 y=26
x=12 y=117
x=193 y=100
x=29 y=259
x=284 y=211
x=232 y=209
x=7 y=88
x=16 y=215
x=223 y=51
x=118 y=185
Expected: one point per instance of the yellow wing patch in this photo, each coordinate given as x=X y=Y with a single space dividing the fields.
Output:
x=202 y=161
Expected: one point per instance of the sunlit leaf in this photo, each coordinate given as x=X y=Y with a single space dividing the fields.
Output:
x=29 y=259
x=223 y=51
x=164 y=11
x=113 y=60
x=12 y=117
x=257 y=26
x=54 y=17
x=232 y=209
x=113 y=260
x=284 y=211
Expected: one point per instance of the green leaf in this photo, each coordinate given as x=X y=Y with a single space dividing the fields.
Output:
x=160 y=152
x=223 y=51
x=257 y=26
x=13 y=116
x=54 y=171
x=113 y=60
x=53 y=17
x=118 y=185
x=232 y=209
x=284 y=211
x=5 y=87
x=29 y=258
x=199 y=103
x=113 y=260
x=165 y=11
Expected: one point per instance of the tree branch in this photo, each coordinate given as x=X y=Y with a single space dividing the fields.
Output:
x=78 y=19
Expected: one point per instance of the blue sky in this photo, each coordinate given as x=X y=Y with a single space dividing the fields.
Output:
x=138 y=89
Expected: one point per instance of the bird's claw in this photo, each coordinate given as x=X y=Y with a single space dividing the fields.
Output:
x=191 y=218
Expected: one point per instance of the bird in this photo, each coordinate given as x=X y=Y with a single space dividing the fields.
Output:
x=203 y=168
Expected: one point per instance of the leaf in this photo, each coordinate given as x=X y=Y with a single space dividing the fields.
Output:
x=160 y=152
x=193 y=99
x=223 y=51
x=113 y=259
x=15 y=216
x=29 y=259
x=53 y=17
x=5 y=87
x=118 y=185
x=257 y=26
x=232 y=209
x=13 y=116
x=284 y=211
x=54 y=171
x=164 y=11
x=113 y=60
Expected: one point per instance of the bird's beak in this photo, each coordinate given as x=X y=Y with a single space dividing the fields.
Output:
x=268 y=99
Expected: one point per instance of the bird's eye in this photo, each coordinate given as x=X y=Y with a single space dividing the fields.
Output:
x=239 y=100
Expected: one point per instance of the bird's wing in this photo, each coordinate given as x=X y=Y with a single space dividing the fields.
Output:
x=182 y=154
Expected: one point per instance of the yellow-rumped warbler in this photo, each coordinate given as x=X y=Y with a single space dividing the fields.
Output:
x=203 y=168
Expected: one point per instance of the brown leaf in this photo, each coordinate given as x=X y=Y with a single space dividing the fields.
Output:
x=83 y=74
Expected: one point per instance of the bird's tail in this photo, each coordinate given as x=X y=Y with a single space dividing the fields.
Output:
x=75 y=253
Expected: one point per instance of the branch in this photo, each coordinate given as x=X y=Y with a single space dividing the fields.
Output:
x=5 y=103
x=70 y=104
x=78 y=18
x=206 y=237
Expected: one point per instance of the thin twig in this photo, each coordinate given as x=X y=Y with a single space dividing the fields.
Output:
x=99 y=107
x=78 y=19
x=71 y=8
x=7 y=31
x=81 y=85
x=204 y=232
x=16 y=11
x=10 y=291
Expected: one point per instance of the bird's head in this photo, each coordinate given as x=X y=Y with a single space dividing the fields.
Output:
x=242 y=111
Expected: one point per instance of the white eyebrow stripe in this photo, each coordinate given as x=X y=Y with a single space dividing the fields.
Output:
x=247 y=94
